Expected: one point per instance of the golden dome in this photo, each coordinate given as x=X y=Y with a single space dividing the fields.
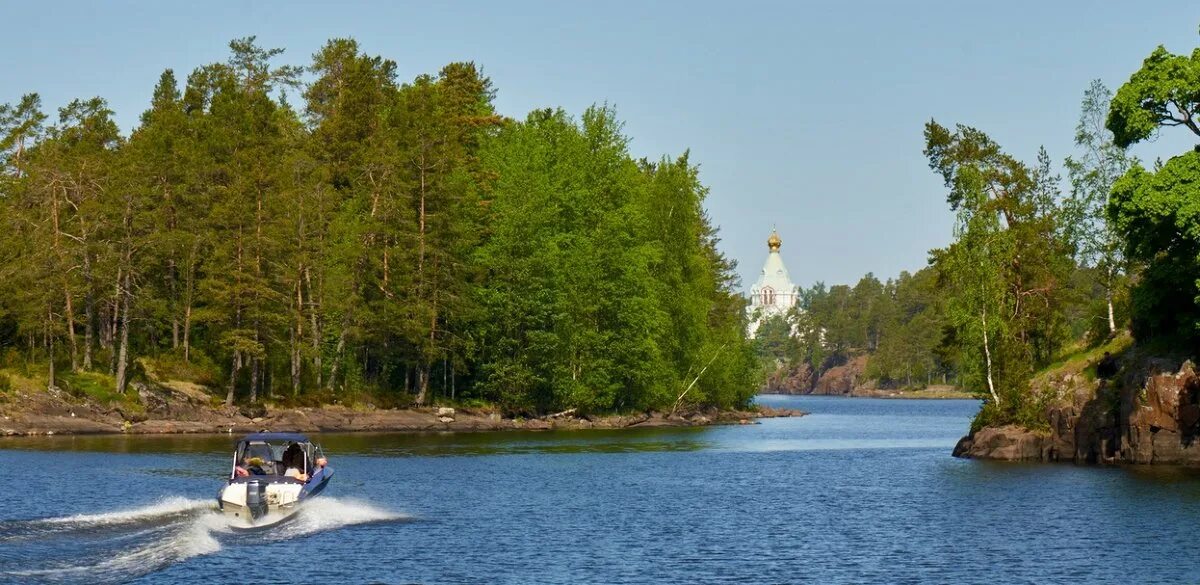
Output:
x=774 y=242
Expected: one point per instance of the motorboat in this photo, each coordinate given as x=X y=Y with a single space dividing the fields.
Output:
x=272 y=475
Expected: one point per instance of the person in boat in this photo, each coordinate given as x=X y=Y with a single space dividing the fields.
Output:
x=293 y=462
x=250 y=466
x=318 y=467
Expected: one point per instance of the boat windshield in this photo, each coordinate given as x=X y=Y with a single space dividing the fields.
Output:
x=276 y=458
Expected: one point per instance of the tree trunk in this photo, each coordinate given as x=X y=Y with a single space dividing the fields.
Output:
x=89 y=312
x=255 y=365
x=421 y=231
x=126 y=297
x=187 y=333
x=338 y=356
x=987 y=353
x=188 y=293
x=236 y=367
x=422 y=383
x=70 y=318
x=62 y=267
x=314 y=308
x=114 y=323
x=1108 y=296
x=295 y=343
x=123 y=357
x=297 y=335
x=173 y=286
x=50 y=348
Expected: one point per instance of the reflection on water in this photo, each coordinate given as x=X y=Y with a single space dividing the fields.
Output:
x=859 y=491
x=394 y=444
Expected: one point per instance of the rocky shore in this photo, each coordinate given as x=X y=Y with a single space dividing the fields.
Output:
x=1147 y=413
x=183 y=408
x=848 y=379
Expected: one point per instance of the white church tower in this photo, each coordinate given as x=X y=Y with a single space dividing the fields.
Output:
x=773 y=293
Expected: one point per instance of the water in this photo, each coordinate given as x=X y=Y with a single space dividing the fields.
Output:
x=860 y=491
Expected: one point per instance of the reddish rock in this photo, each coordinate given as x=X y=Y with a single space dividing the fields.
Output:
x=1007 y=443
x=1149 y=417
x=844 y=380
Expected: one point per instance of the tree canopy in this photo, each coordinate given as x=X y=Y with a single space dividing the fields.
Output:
x=395 y=239
x=1157 y=211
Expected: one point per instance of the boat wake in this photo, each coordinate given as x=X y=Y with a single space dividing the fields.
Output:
x=119 y=546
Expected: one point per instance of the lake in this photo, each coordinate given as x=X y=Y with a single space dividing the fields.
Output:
x=861 y=490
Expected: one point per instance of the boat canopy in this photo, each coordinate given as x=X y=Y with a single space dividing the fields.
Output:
x=293 y=437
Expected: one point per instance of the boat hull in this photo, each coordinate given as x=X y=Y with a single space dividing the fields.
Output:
x=262 y=501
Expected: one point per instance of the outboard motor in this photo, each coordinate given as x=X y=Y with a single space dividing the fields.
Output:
x=256 y=498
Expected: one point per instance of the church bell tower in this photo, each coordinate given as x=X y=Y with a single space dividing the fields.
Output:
x=773 y=293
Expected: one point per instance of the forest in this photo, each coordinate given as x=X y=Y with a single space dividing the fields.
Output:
x=328 y=233
x=1039 y=266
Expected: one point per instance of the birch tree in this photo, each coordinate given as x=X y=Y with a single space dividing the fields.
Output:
x=1092 y=175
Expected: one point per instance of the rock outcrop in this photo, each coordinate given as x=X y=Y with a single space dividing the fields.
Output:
x=1149 y=414
x=847 y=379
x=832 y=379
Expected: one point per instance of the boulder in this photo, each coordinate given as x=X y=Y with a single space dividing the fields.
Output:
x=253 y=411
x=1007 y=443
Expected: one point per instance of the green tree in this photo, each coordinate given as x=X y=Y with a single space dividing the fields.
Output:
x=1003 y=273
x=396 y=240
x=1092 y=175
x=1157 y=212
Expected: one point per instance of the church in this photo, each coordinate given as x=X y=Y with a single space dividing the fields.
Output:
x=773 y=293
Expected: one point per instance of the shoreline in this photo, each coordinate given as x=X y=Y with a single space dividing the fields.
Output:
x=341 y=419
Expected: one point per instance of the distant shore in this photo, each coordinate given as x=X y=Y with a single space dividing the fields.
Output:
x=930 y=393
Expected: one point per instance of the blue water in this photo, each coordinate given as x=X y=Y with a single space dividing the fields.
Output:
x=860 y=491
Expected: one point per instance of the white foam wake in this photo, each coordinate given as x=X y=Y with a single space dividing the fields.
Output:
x=164 y=508
x=167 y=533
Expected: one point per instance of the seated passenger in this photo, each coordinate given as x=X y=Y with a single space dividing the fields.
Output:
x=318 y=467
x=295 y=473
x=254 y=466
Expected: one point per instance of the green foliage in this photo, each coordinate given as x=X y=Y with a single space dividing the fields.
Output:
x=774 y=342
x=1162 y=93
x=898 y=324
x=604 y=290
x=1004 y=273
x=1157 y=213
x=397 y=243
x=909 y=352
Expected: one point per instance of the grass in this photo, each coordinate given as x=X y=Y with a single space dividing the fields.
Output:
x=936 y=391
x=1081 y=359
x=23 y=381
x=198 y=370
x=1049 y=386
x=97 y=386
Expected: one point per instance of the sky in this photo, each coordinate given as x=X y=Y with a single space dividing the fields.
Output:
x=805 y=116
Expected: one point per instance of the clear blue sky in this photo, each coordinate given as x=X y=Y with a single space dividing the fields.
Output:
x=803 y=115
